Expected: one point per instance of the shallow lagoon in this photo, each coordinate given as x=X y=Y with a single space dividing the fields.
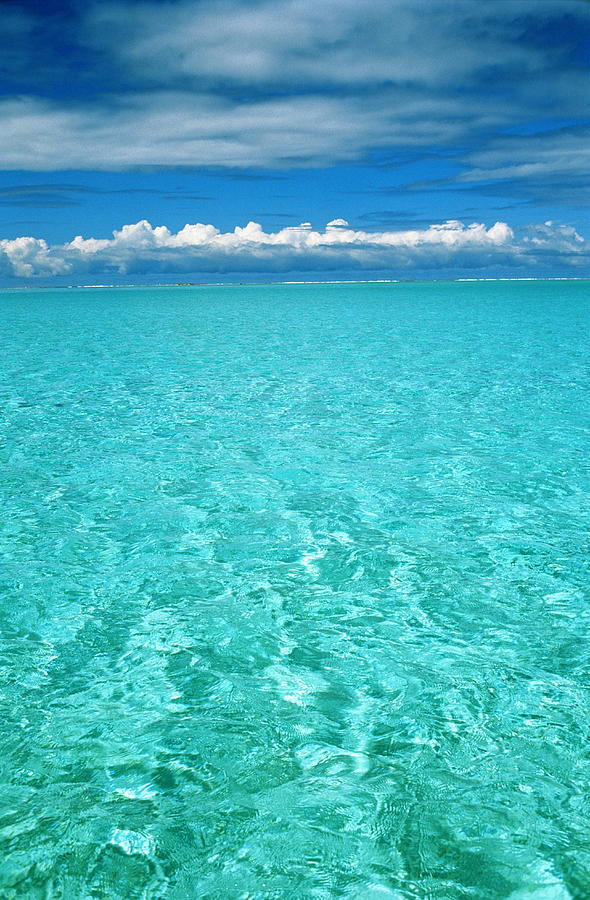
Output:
x=295 y=592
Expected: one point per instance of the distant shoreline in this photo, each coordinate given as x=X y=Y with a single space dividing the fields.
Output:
x=204 y=284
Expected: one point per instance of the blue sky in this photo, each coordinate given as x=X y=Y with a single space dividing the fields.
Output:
x=389 y=117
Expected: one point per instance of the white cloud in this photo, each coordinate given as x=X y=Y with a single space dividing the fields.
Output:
x=28 y=257
x=300 y=43
x=200 y=248
x=184 y=129
x=551 y=155
x=290 y=83
x=555 y=238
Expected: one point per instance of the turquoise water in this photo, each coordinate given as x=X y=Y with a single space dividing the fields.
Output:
x=294 y=592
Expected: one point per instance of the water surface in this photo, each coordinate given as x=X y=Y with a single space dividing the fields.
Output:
x=294 y=592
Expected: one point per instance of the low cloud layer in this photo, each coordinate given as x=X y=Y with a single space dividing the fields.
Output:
x=200 y=249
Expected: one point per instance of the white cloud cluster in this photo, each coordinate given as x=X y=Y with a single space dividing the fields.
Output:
x=28 y=257
x=201 y=249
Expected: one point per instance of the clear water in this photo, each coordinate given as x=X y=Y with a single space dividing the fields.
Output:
x=294 y=592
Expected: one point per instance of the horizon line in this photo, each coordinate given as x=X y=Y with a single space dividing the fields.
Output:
x=169 y=284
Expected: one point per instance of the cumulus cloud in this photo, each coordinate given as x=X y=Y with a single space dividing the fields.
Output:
x=28 y=257
x=199 y=248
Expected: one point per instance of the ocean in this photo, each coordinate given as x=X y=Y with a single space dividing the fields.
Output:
x=294 y=592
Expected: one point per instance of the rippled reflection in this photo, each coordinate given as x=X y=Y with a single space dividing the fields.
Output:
x=294 y=593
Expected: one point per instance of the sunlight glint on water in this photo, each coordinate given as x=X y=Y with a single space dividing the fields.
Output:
x=294 y=592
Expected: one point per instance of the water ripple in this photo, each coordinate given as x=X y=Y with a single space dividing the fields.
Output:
x=295 y=593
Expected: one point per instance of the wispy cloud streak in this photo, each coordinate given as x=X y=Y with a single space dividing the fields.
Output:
x=290 y=83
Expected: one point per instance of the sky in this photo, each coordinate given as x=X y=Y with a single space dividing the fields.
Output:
x=221 y=140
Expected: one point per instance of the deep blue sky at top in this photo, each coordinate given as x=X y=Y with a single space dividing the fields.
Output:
x=390 y=113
